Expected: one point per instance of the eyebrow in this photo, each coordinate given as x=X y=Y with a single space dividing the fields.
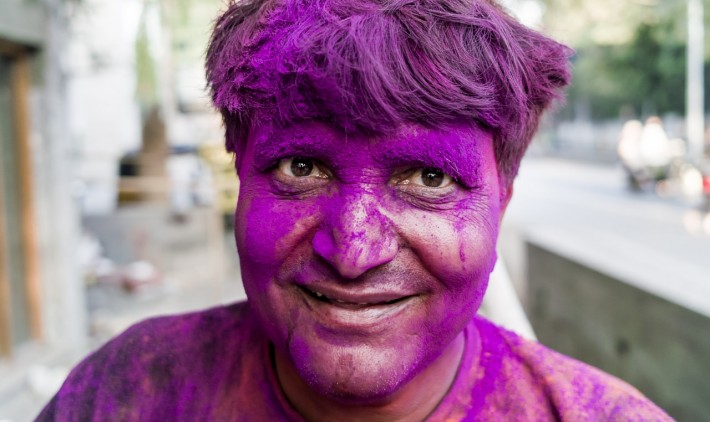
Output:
x=283 y=143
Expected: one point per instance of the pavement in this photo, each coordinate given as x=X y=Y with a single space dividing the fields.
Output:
x=36 y=381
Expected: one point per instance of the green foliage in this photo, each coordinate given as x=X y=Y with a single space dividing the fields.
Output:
x=641 y=67
x=647 y=75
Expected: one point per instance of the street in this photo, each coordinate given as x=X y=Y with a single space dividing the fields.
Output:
x=584 y=211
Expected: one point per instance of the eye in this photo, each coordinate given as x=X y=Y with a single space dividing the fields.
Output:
x=433 y=177
x=301 y=167
x=430 y=177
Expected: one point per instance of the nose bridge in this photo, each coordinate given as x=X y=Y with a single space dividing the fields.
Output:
x=357 y=235
x=359 y=210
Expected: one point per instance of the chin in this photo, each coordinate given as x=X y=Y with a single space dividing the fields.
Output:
x=358 y=374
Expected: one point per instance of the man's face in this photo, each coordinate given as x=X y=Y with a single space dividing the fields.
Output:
x=364 y=258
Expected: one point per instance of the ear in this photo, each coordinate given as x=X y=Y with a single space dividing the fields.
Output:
x=505 y=195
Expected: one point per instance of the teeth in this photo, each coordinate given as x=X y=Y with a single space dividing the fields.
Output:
x=321 y=296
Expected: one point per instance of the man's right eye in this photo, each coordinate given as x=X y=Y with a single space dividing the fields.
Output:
x=301 y=167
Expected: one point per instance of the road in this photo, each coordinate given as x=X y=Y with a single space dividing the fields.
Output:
x=584 y=211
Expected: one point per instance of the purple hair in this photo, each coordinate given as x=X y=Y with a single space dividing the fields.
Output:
x=372 y=65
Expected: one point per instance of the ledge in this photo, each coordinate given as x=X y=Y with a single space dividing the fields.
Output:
x=631 y=262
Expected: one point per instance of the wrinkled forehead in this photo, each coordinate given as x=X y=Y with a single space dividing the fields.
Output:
x=457 y=148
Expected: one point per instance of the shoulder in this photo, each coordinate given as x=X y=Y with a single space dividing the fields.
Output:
x=183 y=331
x=573 y=389
x=159 y=358
x=174 y=336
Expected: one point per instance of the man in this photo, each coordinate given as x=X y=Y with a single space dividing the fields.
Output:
x=376 y=142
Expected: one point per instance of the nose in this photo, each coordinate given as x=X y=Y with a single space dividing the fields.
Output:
x=355 y=235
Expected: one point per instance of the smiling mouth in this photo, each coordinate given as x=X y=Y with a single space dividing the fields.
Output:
x=353 y=303
x=357 y=311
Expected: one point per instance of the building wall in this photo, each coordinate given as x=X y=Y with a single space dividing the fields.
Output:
x=38 y=29
x=658 y=346
x=104 y=114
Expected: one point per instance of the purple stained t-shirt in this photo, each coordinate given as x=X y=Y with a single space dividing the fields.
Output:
x=216 y=365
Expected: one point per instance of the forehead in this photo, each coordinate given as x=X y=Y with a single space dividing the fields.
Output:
x=459 y=149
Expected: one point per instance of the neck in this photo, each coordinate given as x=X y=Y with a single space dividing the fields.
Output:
x=413 y=402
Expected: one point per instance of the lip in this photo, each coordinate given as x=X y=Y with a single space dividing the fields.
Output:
x=356 y=296
x=341 y=308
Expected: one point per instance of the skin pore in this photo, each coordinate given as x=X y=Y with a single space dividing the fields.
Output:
x=364 y=259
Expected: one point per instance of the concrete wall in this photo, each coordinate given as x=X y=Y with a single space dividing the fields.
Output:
x=661 y=348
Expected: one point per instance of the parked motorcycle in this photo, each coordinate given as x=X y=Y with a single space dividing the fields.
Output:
x=706 y=189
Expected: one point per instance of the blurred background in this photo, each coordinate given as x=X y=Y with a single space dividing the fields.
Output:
x=116 y=197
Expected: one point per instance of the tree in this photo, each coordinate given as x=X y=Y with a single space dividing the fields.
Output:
x=631 y=56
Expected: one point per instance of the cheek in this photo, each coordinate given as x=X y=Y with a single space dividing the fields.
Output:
x=458 y=254
x=461 y=259
x=268 y=229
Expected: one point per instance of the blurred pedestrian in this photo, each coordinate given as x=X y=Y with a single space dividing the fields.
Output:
x=629 y=152
x=655 y=149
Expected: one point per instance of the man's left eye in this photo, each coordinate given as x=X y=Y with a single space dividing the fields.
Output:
x=301 y=167
x=430 y=177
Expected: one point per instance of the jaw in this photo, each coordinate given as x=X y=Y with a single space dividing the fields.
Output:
x=358 y=389
x=351 y=375
x=363 y=364
x=350 y=358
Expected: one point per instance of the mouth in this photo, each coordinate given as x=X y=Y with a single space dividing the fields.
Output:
x=338 y=308
x=354 y=302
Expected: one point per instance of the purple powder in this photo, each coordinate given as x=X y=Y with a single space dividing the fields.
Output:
x=372 y=66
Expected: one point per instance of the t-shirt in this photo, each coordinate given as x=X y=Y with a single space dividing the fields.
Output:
x=216 y=365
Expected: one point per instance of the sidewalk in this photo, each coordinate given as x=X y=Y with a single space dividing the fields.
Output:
x=32 y=385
